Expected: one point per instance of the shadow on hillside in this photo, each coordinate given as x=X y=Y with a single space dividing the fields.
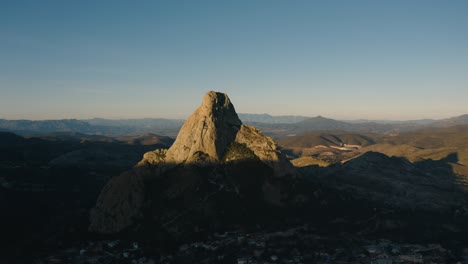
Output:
x=441 y=168
x=44 y=203
x=433 y=200
x=34 y=222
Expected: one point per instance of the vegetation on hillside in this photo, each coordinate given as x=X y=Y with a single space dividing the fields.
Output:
x=238 y=151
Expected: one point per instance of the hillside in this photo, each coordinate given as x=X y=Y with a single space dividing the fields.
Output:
x=397 y=182
x=312 y=139
x=328 y=147
x=449 y=144
x=49 y=184
x=432 y=143
x=70 y=136
x=453 y=121
x=147 y=139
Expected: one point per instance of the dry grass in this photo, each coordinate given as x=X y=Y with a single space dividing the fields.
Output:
x=309 y=161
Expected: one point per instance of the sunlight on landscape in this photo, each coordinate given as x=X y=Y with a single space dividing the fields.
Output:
x=241 y=132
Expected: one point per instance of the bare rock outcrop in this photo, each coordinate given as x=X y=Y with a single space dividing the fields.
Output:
x=210 y=143
x=265 y=149
x=207 y=132
x=154 y=157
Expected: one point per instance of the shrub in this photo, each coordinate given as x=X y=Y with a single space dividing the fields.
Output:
x=238 y=151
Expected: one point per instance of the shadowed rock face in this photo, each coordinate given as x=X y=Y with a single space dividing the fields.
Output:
x=122 y=200
x=207 y=132
x=265 y=149
x=215 y=163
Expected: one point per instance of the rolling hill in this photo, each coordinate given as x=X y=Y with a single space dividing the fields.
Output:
x=312 y=139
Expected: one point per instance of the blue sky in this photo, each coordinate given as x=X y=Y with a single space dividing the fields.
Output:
x=132 y=59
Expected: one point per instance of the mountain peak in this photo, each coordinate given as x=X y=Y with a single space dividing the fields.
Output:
x=216 y=101
x=207 y=132
x=213 y=137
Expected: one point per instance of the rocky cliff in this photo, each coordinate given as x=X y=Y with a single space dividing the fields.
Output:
x=216 y=162
x=207 y=132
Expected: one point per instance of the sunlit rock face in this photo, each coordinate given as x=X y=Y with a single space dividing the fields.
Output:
x=214 y=154
x=207 y=132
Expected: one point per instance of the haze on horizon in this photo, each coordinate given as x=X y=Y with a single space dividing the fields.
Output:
x=344 y=60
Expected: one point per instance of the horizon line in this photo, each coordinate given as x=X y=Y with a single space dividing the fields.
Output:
x=175 y=118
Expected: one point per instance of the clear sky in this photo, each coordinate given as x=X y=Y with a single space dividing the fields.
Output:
x=131 y=59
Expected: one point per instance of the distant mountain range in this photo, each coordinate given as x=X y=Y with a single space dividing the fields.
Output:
x=30 y=126
x=147 y=123
x=320 y=123
x=96 y=126
x=269 y=119
x=272 y=125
